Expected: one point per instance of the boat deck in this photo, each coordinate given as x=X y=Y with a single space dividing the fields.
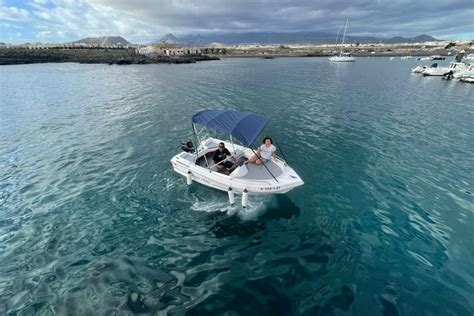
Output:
x=259 y=172
x=255 y=172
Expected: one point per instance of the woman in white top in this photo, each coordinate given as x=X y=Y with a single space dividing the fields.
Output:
x=265 y=153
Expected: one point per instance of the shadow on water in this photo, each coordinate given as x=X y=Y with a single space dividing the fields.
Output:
x=266 y=282
x=224 y=226
x=267 y=297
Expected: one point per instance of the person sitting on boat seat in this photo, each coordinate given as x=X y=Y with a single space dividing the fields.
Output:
x=220 y=155
x=265 y=153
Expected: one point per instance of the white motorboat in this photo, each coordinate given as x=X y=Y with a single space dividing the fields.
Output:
x=467 y=79
x=342 y=56
x=405 y=57
x=469 y=72
x=432 y=57
x=441 y=71
x=438 y=71
x=469 y=59
x=195 y=164
x=419 y=69
x=465 y=75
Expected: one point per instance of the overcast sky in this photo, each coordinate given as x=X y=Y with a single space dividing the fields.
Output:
x=143 y=21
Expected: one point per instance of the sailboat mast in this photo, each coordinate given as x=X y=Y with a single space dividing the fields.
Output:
x=337 y=39
x=344 y=35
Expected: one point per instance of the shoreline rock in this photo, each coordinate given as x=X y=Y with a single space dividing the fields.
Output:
x=92 y=56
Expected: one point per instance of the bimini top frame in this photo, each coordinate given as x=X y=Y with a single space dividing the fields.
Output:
x=246 y=127
x=243 y=126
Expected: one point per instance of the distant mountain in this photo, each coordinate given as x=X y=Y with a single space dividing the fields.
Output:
x=256 y=38
x=416 y=39
x=103 y=41
x=283 y=38
x=167 y=39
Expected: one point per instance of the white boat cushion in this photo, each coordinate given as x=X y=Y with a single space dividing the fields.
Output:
x=240 y=171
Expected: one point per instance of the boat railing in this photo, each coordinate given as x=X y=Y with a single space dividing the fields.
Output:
x=281 y=159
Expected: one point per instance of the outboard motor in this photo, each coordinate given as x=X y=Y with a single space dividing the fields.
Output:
x=448 y=76
x=187 y=146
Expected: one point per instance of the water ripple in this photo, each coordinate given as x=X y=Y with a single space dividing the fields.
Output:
x=94 y=221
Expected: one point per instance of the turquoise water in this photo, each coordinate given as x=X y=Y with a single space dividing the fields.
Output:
x=93 y=221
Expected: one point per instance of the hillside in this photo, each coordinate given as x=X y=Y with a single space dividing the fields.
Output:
x=283 y=38
x=167 y=39
x=103 y=41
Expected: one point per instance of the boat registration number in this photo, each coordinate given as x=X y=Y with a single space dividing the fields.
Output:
x=270 y=188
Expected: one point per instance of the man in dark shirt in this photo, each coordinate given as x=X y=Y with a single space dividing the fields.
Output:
x=221 y=154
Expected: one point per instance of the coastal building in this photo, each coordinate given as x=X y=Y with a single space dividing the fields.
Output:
x=145 y=50
x=168 y=50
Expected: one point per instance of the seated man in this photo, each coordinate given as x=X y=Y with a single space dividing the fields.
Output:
x=219 y=156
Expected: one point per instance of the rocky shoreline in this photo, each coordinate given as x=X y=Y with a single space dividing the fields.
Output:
x=16 y=56
x=92 y=56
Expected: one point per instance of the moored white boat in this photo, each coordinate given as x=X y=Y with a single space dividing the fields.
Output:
x=469 y=59
x=432 y=57
x=467 y=79
x=438 y=71
x=342 y=56
x=195 y=164
x=469 y=72
x=419 y=69
x=441 y=71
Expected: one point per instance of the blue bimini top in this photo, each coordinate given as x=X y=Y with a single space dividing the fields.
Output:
x=244 y=126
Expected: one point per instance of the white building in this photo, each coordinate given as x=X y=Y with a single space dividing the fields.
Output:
x=146 y=50
x=168 y=50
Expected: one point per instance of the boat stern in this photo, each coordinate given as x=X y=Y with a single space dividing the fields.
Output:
x=182 y=162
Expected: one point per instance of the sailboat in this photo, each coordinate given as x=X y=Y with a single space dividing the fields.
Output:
x=343 y=56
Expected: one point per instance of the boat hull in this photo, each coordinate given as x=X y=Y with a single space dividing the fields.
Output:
x=441 y=71
x=436 y=71
x=342 y=59
x=185 y=163
x=418 y=69
x=467 y=79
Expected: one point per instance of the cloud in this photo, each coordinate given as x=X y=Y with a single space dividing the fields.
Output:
x=147 y=20
x=76 y=19
x=13 y=14
x=389 y=17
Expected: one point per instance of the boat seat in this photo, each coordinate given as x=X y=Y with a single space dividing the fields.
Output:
x=240 y=172
x=189 y=157
x=210 y=143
